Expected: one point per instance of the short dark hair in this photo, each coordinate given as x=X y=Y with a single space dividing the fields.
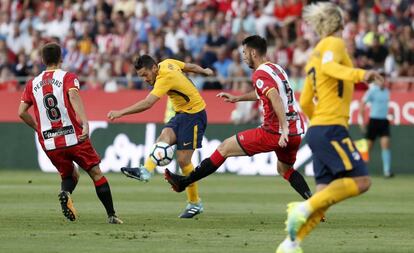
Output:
x=144 y=61
x=51 y=54
x=256 y=42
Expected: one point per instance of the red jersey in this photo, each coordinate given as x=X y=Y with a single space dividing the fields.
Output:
x=55 y=117
x=270 y=76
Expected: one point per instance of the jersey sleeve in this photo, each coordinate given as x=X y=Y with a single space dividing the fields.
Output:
x=161 y=87
x=71 y=82
x=27 y=93
x=263 y=82
x=332 y=56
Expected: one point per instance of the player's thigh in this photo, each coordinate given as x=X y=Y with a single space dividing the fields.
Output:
x=62 y=162
x=85 y=155
x=167 y=135
x=334 y=149
x=287 y=155
x=231 y=147
x=184 y=157
x=190 y=131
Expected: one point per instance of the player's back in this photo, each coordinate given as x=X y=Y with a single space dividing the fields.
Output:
x=180 y=89
x=332 y=92
x=270 y=76
x=55 y=116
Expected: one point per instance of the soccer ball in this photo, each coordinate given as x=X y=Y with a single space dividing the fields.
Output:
x=162 y=153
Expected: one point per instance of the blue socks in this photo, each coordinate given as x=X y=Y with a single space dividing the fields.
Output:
x=386 y=161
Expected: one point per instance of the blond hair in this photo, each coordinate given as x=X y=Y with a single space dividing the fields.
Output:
x=326 y=18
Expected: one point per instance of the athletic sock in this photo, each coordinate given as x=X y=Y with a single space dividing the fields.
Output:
x=336 y=191
x=192 y=189
x=386 y=161
x=310 y=224
x=206 y=167
x=150 y=165
x=298 y=183
x=104 y=194
x=68 y=184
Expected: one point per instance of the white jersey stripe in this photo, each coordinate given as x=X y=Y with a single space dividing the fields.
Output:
x=45 y=124
x=59 y=94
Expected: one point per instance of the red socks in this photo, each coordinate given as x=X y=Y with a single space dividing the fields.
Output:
x=217 y=159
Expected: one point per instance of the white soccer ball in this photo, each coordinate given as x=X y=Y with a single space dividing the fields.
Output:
x=162 y=153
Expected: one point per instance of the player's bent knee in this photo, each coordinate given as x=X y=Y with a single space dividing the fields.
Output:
x=95 y=173
x=364 y=183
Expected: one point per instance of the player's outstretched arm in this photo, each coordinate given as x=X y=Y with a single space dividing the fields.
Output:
x=138 y=107
x=251 y=96
x=25 y=115
x=191 y=67
x=79 y=109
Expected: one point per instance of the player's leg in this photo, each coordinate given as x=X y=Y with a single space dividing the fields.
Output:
x=349 y=175
x=66 y=170
x=295 y=179
x=385 y=148
x=144 y=173
x=87 y=158
x=286 y=158
x=228 y=148
x=194 y=205
x=103 y=191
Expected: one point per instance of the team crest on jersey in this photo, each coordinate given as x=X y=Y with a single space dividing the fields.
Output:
x=259 y=83
x=76 y=82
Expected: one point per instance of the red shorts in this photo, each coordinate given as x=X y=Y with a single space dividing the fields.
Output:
x=257 y=140
x=83 y=154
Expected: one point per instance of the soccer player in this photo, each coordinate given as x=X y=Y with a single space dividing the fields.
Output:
x=186 y=128
x=54 y=95
x=378 y=96
x=280 y=132
x=340 y=173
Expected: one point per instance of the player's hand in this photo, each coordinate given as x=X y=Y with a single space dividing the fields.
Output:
x=227 y=97
x=208 y=72
x=284 y=138
x=85 y=132
x=114 y=115
x=371 y=75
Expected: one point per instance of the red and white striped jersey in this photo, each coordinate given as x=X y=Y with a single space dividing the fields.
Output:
x=270 y=76
x=55 y=117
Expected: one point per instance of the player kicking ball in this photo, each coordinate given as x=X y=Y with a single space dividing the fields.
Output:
x=54 y=95
x=185 y=129
x=280 y=132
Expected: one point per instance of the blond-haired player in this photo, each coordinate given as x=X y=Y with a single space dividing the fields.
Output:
x=340 y=173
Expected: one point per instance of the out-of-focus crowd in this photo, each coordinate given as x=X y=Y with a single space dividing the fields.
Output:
x=100 y=38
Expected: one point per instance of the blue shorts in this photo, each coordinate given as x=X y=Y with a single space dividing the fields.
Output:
x=334 y=154
x=189 y=129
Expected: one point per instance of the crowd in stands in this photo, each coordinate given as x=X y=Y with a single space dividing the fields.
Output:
x=100 y=38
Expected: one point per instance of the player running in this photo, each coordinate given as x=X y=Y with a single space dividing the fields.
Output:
x=280 y=132
x=54 y=95
x=186 y=128
x=340 y=173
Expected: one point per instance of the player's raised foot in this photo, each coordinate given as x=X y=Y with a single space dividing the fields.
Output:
x=66 y=203
x=287 y=246
x=176 y=181
x=192 y=210
x=296 y=217
x=113 y=219
x=140 y=173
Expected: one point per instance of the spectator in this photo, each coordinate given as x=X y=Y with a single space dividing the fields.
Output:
x=213 y=44
x=162 y=51
x=8 y=81
x=174 y=34
x=196 y=41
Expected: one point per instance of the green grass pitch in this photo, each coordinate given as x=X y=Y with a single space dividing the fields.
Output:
x=242 y=214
